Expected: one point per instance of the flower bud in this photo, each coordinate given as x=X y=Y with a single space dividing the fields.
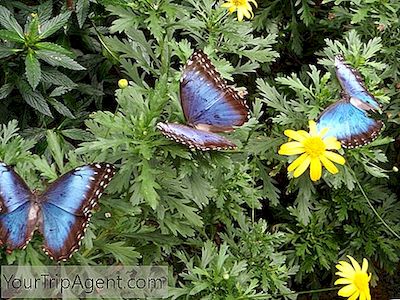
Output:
x=122 y=83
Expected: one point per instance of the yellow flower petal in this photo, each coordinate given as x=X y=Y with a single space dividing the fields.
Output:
x=364 y=265
x=332 y=143
x=355 y=264
x=302 y=167
x=354 y=296
x=343 y=281
x=323 y=132
x=291 y=148
x=328 y=165
x=315 y=169
x=297 y=162
x=334 y=157
x=299 y=135
x=246 y=13
x=363 y=296
x=313 y=128
x=226 y=4
x=348 y=290
x=240 y=15
x=254 y=2
x=346 y=268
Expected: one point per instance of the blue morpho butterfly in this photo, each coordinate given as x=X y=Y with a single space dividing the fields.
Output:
x=209 y=105
x=61 y=213
x=348 y=118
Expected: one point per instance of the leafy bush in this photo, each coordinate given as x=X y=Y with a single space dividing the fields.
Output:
x=233 y=224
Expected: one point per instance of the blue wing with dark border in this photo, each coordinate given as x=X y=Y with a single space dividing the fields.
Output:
x=195 y=138
x=353 y=85
x=350 y=125
x=206 y=98
x=66 y=206
x=18 y=216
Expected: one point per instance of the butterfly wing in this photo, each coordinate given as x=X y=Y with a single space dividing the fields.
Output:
x=207 y=99
x=18 y=216
x=352 y=83
x=350 y=125
x=66 y=207
x=195 y=138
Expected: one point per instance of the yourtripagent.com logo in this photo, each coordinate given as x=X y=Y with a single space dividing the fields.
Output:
x=84 y=281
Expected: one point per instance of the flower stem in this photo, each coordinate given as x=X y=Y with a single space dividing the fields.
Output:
x=372 y=207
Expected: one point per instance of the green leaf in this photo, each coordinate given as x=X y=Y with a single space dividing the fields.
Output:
x=54 y=48
x=82 y=11
x=59 y=91
x=53 y=25
x=12 y=36
x=61 y=108
x=77 y=134
x=8 y=21
x=5 y=90
x=124 y=254
x=148 y=185
x=57 y=78
x=6 y=51
x=54 y=145
x=32 y=69
x=32 y=30
x=58 y=60
x=33 y=98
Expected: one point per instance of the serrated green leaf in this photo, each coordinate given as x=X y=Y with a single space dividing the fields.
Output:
x=82 y=11
x=32 y=30
x=59 y=91
x=54 y=145
x=61 y=108
x=54 y=48
x=12 y=36
x=51 y=26
x=6 y=51
x=32 y=69
x=33 y=98
x=58 y=60
x=77 y=134
x=148 y=185
x=57 y=78
x=8 y=21
x=5 y=90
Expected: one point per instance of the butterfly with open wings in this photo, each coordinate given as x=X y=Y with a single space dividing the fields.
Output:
x=62 y=213
x=209 y=106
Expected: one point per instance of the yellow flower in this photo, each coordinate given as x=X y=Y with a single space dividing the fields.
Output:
x=313 y=148
x=356 y=278
x=243 y=8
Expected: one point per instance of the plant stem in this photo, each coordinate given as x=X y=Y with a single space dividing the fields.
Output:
x=372 y=207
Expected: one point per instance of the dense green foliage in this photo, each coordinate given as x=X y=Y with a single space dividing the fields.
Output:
x=230 y=224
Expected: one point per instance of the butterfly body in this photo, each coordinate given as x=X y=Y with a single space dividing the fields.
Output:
x=209 y=106
x=61 y=213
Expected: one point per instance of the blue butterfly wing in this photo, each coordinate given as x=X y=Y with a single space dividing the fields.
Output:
x=350 y=125
x=353 y=85
x=195 y=138
x=18 y=216
x=66 y=207
x=206 y=98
